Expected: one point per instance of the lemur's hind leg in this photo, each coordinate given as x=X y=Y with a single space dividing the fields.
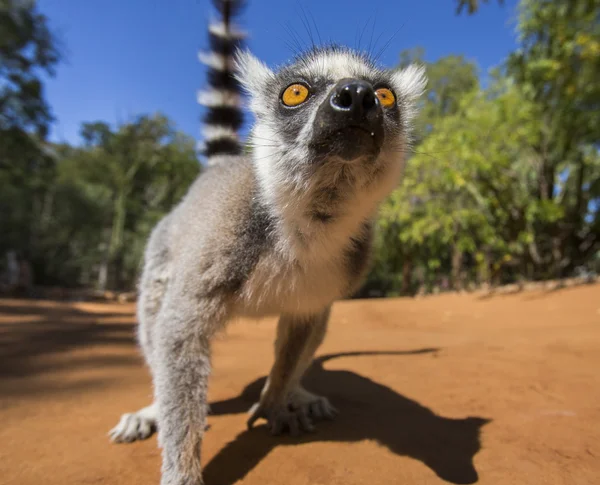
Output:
x=284 y=403
x=316 y=407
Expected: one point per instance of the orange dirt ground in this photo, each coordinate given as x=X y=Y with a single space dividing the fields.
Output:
x=448 y=389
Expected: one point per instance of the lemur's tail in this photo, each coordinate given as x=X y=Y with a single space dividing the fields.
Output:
x=223 y=98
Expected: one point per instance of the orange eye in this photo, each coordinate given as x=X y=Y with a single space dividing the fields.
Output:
x=295 y=95
x=386 y=97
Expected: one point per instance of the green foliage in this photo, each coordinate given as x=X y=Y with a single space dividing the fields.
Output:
x=558 y=67
x=448 y=80
x=132 y=176
x=99 y=203
x=27 y=49
x=504 y=182
x=81 y=215
x=466 y=190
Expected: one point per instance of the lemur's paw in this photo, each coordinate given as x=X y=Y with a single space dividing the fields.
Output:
x=281 y=418
x=296 y=416
x=315 y=407
x=134 y=426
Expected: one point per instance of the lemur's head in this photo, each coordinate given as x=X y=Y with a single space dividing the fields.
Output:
x=330 y=117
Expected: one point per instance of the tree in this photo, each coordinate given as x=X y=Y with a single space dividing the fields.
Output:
x=558 y=68
x=27 y=51
x=503 y=183
x=448 y=79
x=77 y=214
x=142 y=167
x=466 y=208
x=99 y=202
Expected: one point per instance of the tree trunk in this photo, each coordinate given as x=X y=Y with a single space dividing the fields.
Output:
x=103 y=274
x=406 y=276
x=116 y=240
x=457 y=258
x=118 y=225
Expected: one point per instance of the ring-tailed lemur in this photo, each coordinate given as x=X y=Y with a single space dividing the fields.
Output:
x=284 y=229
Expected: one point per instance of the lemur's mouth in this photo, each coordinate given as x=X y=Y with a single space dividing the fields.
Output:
x=358 y=137
x=351 y=134
x=359 y=128
x=348 y=142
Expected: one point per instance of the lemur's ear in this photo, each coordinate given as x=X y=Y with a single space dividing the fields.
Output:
x=410 y=82
x=252 y=73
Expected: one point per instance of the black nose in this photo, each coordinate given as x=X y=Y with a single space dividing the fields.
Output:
x=355 y=97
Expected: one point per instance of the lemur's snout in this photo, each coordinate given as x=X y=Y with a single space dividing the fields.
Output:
x=353 y=103
x=355 y=97
x=349 y=122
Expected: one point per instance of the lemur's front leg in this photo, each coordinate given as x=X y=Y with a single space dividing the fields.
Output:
x=181 y=371
x=284 y=402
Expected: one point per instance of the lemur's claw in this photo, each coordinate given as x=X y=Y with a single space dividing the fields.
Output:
x=281 y=418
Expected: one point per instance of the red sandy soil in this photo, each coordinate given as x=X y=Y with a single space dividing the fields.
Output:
x=448 y=389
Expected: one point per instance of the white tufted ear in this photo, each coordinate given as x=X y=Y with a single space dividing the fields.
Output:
x=252 y=73
x=410 y=82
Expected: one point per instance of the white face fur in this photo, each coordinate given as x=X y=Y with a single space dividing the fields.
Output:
x=311 y=157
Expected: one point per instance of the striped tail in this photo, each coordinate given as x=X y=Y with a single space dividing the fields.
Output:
x=223 y=98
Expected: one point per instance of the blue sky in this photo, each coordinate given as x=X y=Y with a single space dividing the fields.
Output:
x=128 y=57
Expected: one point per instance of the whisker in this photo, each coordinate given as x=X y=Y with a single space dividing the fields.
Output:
x=376 y=42
x=294 y=37
x=363 y=31
x=304 y=20
x=316 y=28
x=387 y=44
x=290 y=46
x=371 y=38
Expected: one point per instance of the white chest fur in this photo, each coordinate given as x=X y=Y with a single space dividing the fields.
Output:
x=278 y=286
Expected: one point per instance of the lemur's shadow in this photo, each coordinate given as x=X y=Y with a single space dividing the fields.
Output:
x=368 y=411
